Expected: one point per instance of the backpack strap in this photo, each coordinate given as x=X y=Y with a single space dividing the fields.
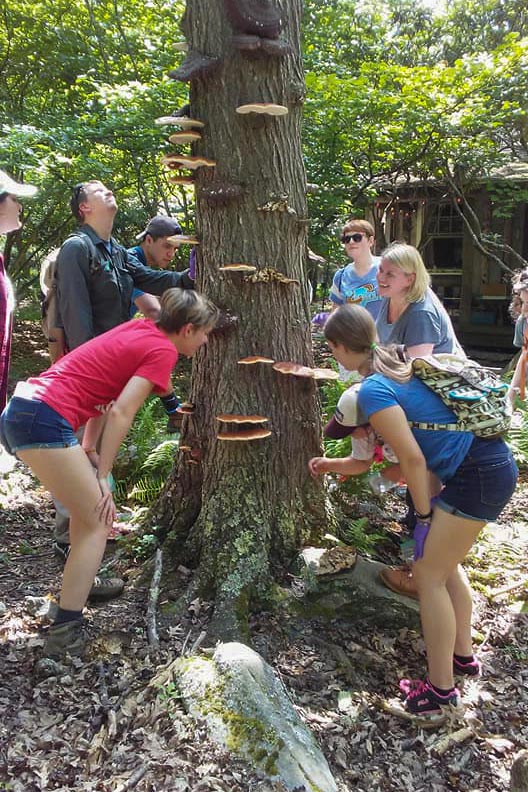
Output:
x=435 y=426
x=89 y=245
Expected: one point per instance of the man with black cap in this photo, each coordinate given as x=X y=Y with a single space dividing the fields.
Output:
x=156 y=249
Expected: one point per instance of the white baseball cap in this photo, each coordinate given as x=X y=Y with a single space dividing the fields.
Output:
x=9 y=185
x=347 y=416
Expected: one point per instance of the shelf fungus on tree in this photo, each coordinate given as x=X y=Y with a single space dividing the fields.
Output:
x=252 y=359
x=267 y=275
x=186 y=408
x=196 y=64
x=184 y=137
x=184 y=122
x=257 y=433
x=246 y=42
x=258 y=17
x=180 y=178
x=180 y=160
x=241 y=419
x=296 y=369
x=181 y=46
x=237 y=268
x=325 y=374
x=183 y=239
x=245 y=427
x=264 y=108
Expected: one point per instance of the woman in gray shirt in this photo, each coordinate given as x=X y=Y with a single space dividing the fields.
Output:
x=411 y=313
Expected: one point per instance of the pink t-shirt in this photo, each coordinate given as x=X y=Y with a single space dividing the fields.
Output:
x=83 y=382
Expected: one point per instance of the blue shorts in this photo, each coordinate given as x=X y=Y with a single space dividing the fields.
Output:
x=33 y=424
x=484 y=482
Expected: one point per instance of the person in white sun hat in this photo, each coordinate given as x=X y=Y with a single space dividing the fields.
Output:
x=10 y=211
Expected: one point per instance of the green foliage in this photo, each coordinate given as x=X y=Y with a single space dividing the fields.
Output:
x=357 y=534
x=146 y=456
x=518 y=439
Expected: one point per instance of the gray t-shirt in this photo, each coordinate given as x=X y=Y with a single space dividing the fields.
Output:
x=422 y=322
x=520 y=326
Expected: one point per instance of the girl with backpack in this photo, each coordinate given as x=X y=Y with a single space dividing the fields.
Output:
x=102 y=384
x=478 y=477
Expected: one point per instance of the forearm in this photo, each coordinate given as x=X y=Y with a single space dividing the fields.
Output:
x=117 y=424
x=92 y=432
x=416 y=475
x=347 y=466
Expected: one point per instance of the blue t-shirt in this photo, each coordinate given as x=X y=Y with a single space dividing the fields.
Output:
x=443 y=450
x=349 y=287
x=136 y=251
x=422 y=322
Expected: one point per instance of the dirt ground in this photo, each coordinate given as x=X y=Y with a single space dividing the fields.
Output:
x=76 y=726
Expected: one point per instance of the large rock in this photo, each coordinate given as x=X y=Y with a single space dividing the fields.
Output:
x=247 y=710
x=357 y=594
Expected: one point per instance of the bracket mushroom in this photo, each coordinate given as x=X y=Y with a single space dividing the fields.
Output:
x=184 y=122
x=266 y=108
x=187 y=136
x=252 y=433
x=252 y=359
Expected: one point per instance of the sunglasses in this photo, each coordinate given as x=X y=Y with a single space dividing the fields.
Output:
x=357 y=237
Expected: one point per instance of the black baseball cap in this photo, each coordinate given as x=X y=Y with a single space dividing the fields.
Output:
x=161 y=226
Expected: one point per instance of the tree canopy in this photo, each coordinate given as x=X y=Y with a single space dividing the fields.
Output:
x=394 y=88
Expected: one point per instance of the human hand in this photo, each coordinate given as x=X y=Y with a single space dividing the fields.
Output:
x=105 y=507
x=421 y=529
x=320 y=318
x=318 y=466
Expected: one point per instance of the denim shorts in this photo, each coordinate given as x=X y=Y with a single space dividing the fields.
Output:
x=27 y=423
x=484 y=482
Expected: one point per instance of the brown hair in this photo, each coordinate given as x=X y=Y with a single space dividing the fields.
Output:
x=185 y=306
x=78 y=197
x=356 y=223
x=354 y=328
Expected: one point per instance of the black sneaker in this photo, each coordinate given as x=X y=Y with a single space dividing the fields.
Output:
x=471 y=669
x=106 y=588
x=422 y=700
x=67 y=638
x=62 y=549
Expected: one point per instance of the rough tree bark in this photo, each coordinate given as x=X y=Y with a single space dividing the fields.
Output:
x=241 y=513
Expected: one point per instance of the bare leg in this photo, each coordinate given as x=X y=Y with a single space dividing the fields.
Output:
x=460 y=593
x=69 y=476
x=444 y=620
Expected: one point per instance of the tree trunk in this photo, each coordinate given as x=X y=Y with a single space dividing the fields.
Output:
x=242 y=512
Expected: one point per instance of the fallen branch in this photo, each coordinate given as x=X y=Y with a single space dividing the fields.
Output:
x=152 y=630
x=134 y=779
x=509 y=589
x=445 y=742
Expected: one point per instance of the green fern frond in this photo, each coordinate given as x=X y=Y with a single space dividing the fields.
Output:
x=146 y=490
x=161 y=458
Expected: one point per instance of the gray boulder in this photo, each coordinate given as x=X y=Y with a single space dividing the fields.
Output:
x=247 y=710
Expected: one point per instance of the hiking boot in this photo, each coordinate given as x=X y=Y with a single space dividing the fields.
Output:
x=106 y=588
x=424 y=702
x=400 y=580
x=471 y=669
x=67 y=638
x=61 y=549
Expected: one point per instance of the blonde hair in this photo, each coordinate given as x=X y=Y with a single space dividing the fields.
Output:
x=185 y=306
x=356 y=223
x=354 y=328
x=409 y=260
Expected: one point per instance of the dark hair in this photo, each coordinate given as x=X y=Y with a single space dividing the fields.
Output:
x=3 y=196
x=185 y=306
x=354 y=328
x=79 y=196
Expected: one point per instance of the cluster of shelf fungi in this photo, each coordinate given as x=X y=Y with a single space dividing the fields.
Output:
x=256 y=31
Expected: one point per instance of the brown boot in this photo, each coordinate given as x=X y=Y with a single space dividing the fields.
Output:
x=400 y=580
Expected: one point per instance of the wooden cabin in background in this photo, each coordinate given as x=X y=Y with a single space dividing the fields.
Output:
x=475 y=291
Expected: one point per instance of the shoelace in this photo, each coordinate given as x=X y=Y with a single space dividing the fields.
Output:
x=418 y=689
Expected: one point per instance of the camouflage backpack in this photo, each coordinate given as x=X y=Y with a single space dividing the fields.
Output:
x=476 y=395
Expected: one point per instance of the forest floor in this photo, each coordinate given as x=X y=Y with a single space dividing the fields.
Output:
x=76 y=730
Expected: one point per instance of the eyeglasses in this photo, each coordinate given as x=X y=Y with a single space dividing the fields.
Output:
x=357 y=237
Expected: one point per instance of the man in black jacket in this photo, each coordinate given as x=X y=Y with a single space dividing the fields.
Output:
x=96 y=275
